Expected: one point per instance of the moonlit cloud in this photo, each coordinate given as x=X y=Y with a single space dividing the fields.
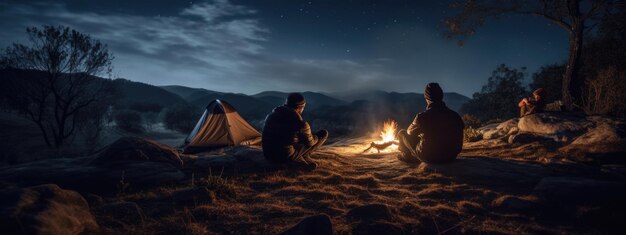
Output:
x=223 y=46
x=216 y=45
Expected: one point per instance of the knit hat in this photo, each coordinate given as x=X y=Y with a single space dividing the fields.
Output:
x=295 y=100
x=433 y=92
x=540 y=92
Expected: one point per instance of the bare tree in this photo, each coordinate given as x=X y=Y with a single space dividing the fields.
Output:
x=52 y=80
x=574 y=16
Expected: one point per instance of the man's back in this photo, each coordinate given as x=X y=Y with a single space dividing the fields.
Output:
x=442 y=131
x=281 y=128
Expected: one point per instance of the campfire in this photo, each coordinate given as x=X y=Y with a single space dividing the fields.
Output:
x=387 y=141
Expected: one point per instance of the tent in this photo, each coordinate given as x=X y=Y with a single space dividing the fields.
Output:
x=220 y=126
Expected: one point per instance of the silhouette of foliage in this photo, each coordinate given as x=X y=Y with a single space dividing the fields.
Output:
x=181 y=118
x=576 y=17
x=498 y=98
x=58 y=98
x=130 y=121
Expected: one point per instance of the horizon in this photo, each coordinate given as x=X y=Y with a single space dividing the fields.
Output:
x=249 y=46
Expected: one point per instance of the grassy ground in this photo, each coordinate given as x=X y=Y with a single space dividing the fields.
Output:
x=429 y=203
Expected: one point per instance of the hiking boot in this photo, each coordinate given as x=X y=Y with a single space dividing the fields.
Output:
x=407 y=158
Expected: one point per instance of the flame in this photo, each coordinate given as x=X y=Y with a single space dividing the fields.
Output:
x=389 y=131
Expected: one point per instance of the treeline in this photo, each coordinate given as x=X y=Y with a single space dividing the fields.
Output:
x=602 y=89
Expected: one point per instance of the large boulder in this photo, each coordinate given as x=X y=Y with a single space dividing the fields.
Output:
x=526 y=137
x=603 y=133
x=313 y=225
x=488 y=171
x=554 y=124
x=128 y=163
x=133 y=149
x=44 y=209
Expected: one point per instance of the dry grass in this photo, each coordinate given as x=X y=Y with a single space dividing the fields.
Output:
x=268 y=203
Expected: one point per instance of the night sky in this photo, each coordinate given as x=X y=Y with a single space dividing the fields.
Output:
x=248 y=46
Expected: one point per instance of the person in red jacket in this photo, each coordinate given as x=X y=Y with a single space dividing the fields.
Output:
x=534 y=104
x=435 y=135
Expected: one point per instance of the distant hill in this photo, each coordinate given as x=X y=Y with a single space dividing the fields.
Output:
x=131 y=92
x=453 y=100
x=314 y=99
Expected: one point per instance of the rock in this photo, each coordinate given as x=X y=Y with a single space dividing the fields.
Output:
x=603 y=133
x=514 y=203
x=488 y=171
x=493 y=134
x=124 y=212
x=134 y=162
x=370 y=212
x=44 y=209
x=576 y=190
x=133 y=149
x=506 y=126
x=377 y=227
x=488 y=127
x=78 y=174
x=513 y=130
x=313 y=225
x=556 y=124
x=525 y=138
x=193 y=196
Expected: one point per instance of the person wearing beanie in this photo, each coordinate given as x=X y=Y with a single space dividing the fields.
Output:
x=287 y=138
x=534 y=104
x=435 y=135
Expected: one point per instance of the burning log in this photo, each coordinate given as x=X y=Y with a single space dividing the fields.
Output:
x=381 y=146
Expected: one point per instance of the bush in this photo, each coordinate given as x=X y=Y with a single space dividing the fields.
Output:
x=550 y=78
x=182 y=118
x=499 y=97
x=471 y=121
x=130 y=121
x=606 y=94
x=470 y=134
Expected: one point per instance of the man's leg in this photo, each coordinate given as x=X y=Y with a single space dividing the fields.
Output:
x=321 y=137
x=406 y=145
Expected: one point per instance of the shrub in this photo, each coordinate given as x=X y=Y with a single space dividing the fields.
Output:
x=470 y=134
x=471 y=121
x=606 y=94
x=181 y=118
x=499 y=97
x=129 y=121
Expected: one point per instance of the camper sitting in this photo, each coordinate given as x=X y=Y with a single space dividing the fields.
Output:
x=534 y=104
x=287 y=137
x=435 y=135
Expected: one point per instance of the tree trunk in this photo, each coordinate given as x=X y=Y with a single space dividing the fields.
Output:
x=570 y=78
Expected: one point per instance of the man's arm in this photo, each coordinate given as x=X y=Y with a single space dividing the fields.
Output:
x=415 y=127
x=305 y=135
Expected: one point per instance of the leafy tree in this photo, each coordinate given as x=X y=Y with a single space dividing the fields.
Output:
x=182 y=118
x=550 y=78
x=498 y=98
x=57 y=101
x=574 y=16
x=130 y=121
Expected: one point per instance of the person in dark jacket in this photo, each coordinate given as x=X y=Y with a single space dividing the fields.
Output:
x=534 y=104
x=287 y=137
x=435 y=135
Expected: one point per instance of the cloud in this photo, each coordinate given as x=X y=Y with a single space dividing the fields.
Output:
x=215 y=45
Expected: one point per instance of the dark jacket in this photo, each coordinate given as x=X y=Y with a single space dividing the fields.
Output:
x=442 y=133
x=283 y=129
